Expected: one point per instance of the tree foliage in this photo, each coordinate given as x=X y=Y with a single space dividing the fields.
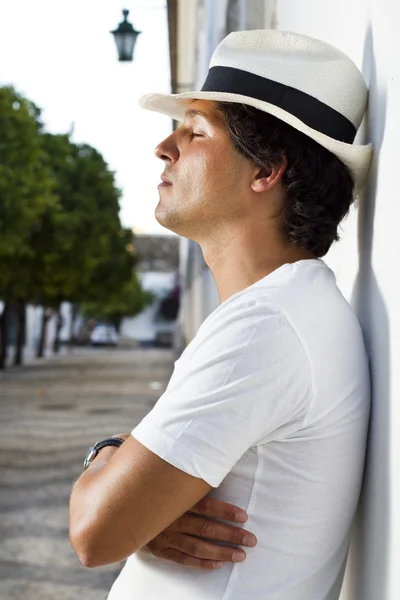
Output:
x=60 y=234
x=26 y=190
x=130 y=300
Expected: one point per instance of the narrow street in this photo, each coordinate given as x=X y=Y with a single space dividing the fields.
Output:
x=50 y=413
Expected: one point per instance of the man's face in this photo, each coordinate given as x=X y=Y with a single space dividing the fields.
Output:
x=207 y=175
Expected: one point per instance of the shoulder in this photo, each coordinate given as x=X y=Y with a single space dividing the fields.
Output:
x=250 y=327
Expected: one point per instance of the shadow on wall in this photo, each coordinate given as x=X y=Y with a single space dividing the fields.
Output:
x=369 y=554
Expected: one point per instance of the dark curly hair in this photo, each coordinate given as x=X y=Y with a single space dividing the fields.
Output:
x=318 y=186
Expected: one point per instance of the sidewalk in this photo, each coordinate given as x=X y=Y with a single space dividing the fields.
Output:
x=51 y=412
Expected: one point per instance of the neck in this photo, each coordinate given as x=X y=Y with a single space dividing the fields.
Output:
x=242 y=256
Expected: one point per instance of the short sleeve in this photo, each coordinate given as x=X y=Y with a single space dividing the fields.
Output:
x=243 y=380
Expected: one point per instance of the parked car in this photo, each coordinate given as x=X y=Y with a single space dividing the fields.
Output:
x=104 y=335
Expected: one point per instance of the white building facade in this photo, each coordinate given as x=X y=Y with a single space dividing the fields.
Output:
x=366 y=259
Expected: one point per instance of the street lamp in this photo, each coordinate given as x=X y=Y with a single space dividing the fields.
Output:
x=125 y=38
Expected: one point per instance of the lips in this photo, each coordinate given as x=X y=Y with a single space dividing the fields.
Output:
x=164 y=182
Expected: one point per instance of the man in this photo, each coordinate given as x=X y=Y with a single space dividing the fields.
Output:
x=267 y=408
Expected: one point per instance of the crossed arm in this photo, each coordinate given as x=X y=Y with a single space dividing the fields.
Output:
x=125 y=499
x=128 y=496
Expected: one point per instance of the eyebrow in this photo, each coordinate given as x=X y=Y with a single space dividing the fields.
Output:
x=190 y=113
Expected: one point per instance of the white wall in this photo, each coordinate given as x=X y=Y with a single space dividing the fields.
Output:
x=187 y=28
x=366 y=265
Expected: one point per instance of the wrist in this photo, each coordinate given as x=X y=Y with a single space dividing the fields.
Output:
x=103 y=456
x=110 y=444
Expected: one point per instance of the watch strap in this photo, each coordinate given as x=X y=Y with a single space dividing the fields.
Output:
x=94 y=450
x=114 y=441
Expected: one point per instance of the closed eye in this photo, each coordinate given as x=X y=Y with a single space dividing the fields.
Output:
x=188 y=131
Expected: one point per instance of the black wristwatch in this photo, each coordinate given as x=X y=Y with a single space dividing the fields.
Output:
x=94 y=450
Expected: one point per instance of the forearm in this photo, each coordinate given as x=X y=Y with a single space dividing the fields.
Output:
x=84 y=510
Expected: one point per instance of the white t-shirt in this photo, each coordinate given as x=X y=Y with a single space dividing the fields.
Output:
x=269 y=404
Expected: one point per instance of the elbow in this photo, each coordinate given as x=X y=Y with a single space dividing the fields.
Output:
x=95 y=540
x=83 y=535
x=87 y=551
x=87 y=557
x=87 y=560
x=94 y=550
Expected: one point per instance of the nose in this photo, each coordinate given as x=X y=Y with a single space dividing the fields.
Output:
x=167 y=150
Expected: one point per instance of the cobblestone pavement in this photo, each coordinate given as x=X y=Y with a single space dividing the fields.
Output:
x=50 y=413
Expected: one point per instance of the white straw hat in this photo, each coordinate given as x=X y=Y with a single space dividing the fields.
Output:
x=309 y=84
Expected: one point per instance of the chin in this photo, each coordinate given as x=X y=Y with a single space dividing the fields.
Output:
x=166 y=218
x=172 y=221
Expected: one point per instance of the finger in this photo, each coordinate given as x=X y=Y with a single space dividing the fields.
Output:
x=189 y=561
x=212 y=507
x=197 y=548
x=212 y=530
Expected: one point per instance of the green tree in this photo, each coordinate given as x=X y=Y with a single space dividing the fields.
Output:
x=113 y=306
x=60 y=233
x=115 y=291
x=81 y=247
x=26 y=193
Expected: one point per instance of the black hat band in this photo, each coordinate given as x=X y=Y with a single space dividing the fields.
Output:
x=312 y=112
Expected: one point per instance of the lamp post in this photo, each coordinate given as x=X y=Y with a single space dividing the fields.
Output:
x=125 y=38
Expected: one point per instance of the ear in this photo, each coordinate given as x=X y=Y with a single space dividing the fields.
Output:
x=265 y=180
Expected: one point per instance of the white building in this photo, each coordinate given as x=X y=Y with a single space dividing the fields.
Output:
x=145 y=328
x=157 y=270
x=365 y=261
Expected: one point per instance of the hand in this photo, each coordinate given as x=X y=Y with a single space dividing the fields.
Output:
x=177 y=544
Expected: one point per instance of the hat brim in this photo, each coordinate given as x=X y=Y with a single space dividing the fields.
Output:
x=356 y=157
